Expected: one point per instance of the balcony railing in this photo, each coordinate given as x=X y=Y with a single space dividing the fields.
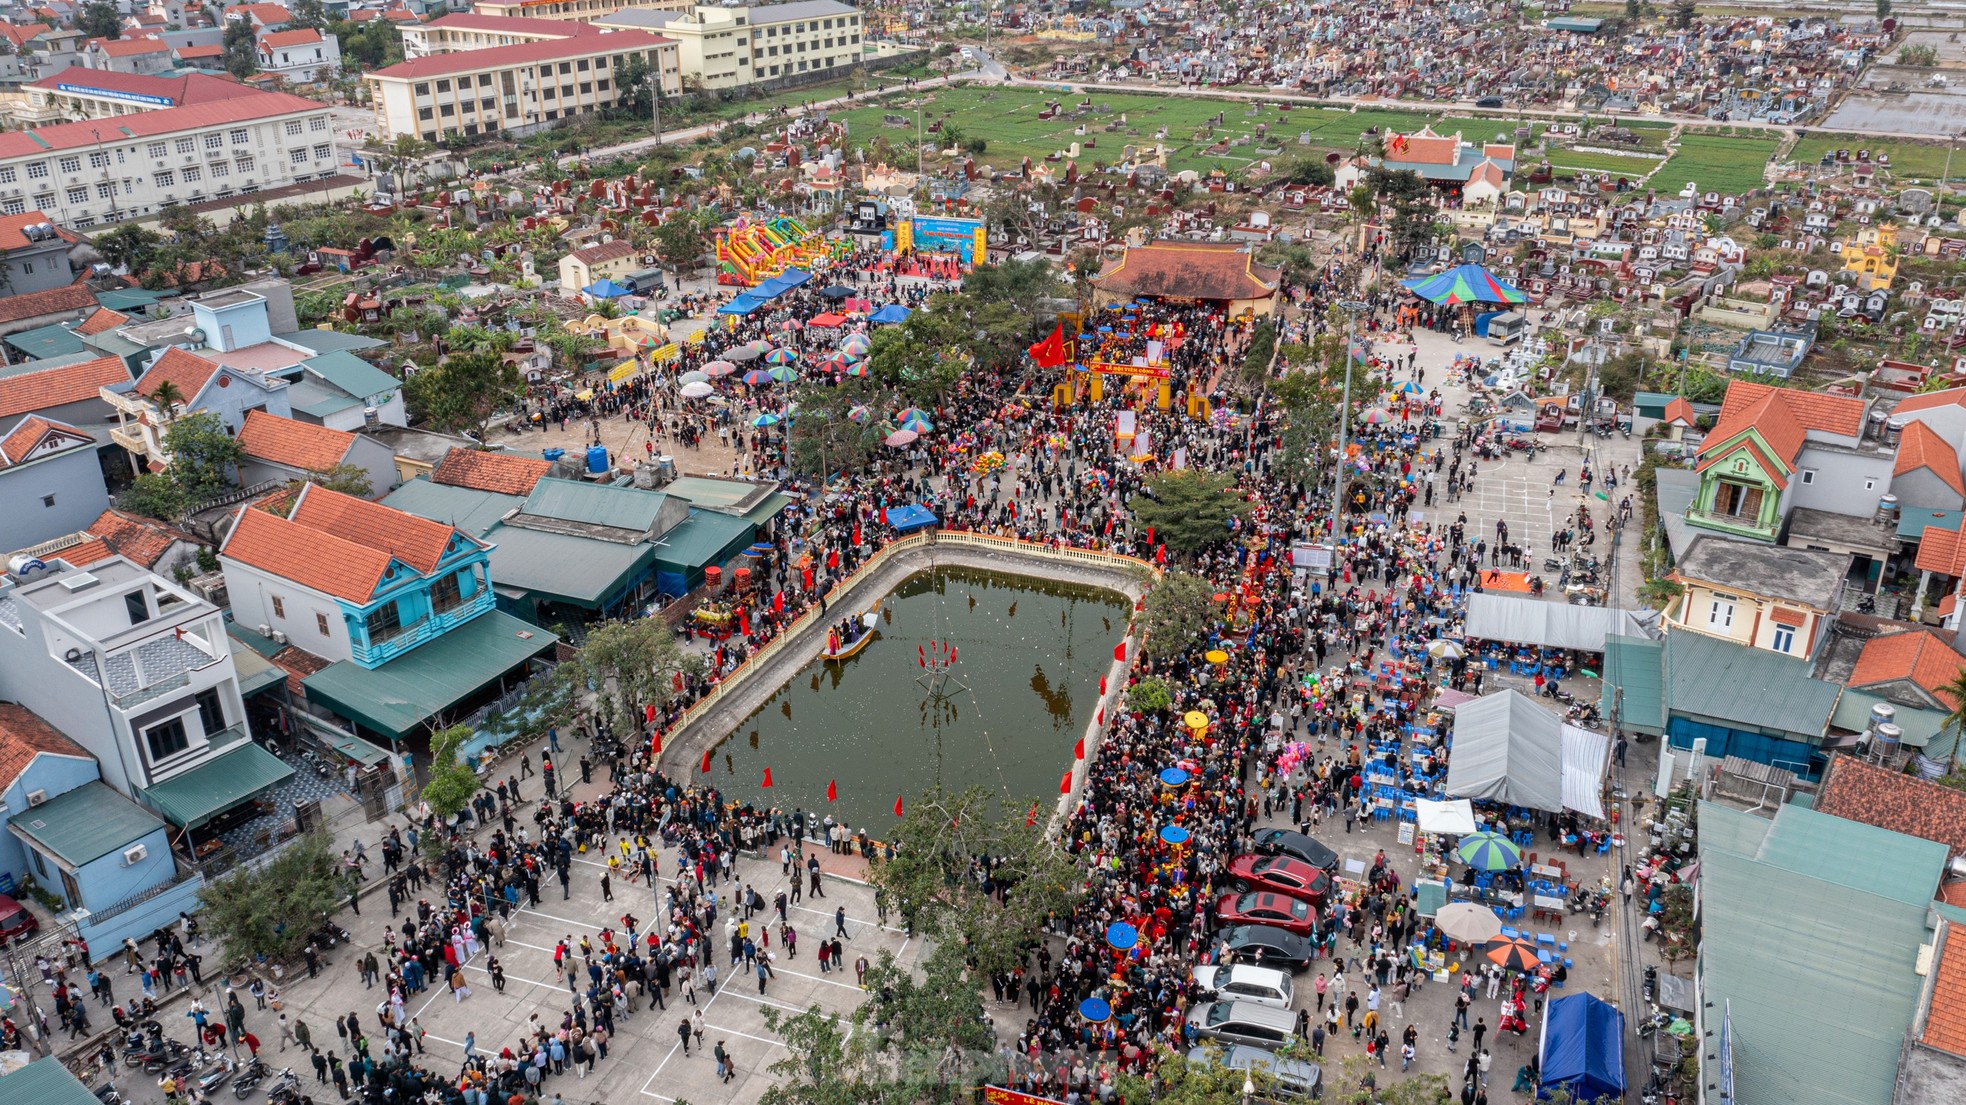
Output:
x=130 y=437
x=381 y=650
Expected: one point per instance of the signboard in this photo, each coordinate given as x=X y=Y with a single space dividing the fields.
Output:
x=1115 y=368
x=116 y=94
x=957 y=236
x=997 y=1095
x=1317 y=558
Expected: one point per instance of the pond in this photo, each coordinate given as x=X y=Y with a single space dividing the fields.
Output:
x=1029 y=653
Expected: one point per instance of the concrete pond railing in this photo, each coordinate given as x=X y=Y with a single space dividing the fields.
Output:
x=711 y=719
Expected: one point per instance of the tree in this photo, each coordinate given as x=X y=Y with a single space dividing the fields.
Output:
x=349 y=479
x=1634 y=8
x=1175 y=614
x=1148 y=696
x=929 y=875
x=629 y=665
x=680 y=244
x=1681 y=14
x=241 y=48
x=204 y=458
x=825 y=439
x=272 y=911
x=1883 y=8
x=451 y=784
x=1189 y=509
x=1956 y=720
x=1262 y=350
x=100 y=19
x=168 y=397
x=463 y=390
x=154 y=495
x=129 y=247
x=307 y=15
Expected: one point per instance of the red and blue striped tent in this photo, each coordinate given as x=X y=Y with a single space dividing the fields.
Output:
x=1465 y=284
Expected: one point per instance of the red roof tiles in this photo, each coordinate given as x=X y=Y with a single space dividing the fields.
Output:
x=1835 y=414
x=143 y=540
x=298 y=664
x=1945 y=1022
x=1919 y=656
x=188 y=373
x=1189 y=270
x=145 y=124
x=1680 y=411
x=53 y=301
x=295 y=444
x=418 y=542
x=101 y=321
x=55 y=387
x=503 y=473
x=273 y=40
x=1860 y=791
x=309 y=557
x=1939 y=551
x=524 y=53
x=23 y=736
x=31 y=432
x=1921 y=447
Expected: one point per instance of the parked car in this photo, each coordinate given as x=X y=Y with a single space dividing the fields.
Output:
x=1489 y=102
x=16 y=923
x=1244 y=982
x=1242 y=1022
x=1276 y=1077
x=1290 y=842
x=1263 y=907
x=1281 y=873
x=1265 y=946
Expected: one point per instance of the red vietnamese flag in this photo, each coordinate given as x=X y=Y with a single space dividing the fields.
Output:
x=1119 y=652
x=648 y=711
x=832 y=790
x=1065 y=784
x=1078 y=750
x=767 y=777
x=897 y=806
x=1031 y=818
x=1050 y=353
x=706 y=761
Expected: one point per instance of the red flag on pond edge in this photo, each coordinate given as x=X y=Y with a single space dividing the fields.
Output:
x=1031 y=818
x=1119 y=652
x=655 y=743
x=1050 y=353
x=897 y=806
x=832 y=790
x=767 y=777
x=706 y=761
x=1065 y=784
x=1078 y=750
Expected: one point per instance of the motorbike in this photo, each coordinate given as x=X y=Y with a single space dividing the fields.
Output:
x=217 y=1075
x=249 y=1077
x=1653 y=1022
x=1867 y=605
x=1651 y=987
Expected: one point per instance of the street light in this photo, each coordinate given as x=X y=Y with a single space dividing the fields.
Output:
x=1352 y=308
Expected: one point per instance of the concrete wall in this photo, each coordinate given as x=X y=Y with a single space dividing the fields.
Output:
x=75 y=480
x=55 y=774
x=252 y=593
x=1922 y=487
x=1838 y=483
x=40 y=681
x=142 y=919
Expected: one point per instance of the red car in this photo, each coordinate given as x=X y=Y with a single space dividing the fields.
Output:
x=1283 y=874
x=16 y=923
x=1264 y=908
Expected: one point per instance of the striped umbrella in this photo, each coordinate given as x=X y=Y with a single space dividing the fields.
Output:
x=692 y=377
x=697 y=390
x=766 y=419
x=783 y=374
x=1514 y=953
x=1485 y=851
x=781 y=356
x=850 y=356
x=757 y=377
x=856 y=370
x=910 y=412
x=856 y=344
x=917 y=423
x=1376 y=416
x=859 y=414
x=719 y=368
x=1465 y=284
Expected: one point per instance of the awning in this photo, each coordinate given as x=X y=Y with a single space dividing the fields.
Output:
x=256 y=673
x=744 y=304
x=914 y=516
x=1456 y=815
x=344 y=743
x=893 y=312
x=202 y=793
x=1507 y=749
x=1585 y=757
x=406 y=693
x=1521 y=620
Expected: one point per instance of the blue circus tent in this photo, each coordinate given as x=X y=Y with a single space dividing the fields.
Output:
x=605 y=289
x=1465 y=284
x=893 y=312
x=1583 y=1050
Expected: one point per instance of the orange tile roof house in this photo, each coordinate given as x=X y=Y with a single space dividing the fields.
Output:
x=66 y=393
x=142 y=541
x=282 y=449
x=51 y=482
x=1220 y=273
x=500 y=473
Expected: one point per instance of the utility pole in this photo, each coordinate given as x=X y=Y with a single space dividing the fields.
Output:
x=655 y=98
x=1352 y=308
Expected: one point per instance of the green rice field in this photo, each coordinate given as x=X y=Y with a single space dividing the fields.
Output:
x=1620 y=164
x=1909 y=160
x=1725 y=163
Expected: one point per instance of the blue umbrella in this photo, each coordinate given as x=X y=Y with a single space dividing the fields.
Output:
x=1122 y=935
x=766 y=419
x=1173 y=777
x=757 y=377
x=1096 y=1010
x=1487 y=851
x=1173 y=834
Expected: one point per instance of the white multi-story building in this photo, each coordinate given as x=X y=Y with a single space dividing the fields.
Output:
x=107 y=170
x=302 y=55
x=518 y=88
x=733 y=47
x=581 y=11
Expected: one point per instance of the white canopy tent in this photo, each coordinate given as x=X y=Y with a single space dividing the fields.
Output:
x=1509 y=749
x=1520 y=619
x=1456 y=815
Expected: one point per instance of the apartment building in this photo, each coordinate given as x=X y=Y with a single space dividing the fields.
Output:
x=518 y=88
x=733 y=47
x=98 y=171
x=300 y=55
x=579 y=11
x=77 y=93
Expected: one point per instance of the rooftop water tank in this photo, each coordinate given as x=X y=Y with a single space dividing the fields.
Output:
x=597 y=459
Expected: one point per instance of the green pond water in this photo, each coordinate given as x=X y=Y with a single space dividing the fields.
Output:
x=1029 y=651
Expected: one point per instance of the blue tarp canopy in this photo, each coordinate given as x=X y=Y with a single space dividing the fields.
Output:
x=1465 y=284
x=794 y=277
x=743 y=305
x=605 y=289
x=771 y=289
x=1583 y=1050
x=909 y=518
x=893 y=312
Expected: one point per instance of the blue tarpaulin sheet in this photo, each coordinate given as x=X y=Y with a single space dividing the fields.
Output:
x=910 y=518
x=893 y=312
x=742 y=305
x=771 y=289
x=1583 y=1050
x=605 y=289
x=794 y=277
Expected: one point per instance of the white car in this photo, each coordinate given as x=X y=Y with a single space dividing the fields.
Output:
x=1245 y=982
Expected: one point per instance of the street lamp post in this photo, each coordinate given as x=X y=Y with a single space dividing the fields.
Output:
x=655 y=97
x=1352 y=308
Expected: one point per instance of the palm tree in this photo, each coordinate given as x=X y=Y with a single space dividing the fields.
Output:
x=1955 y=692
x=168 y=397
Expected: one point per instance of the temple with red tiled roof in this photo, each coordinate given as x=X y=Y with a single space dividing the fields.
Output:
x=1224 y=275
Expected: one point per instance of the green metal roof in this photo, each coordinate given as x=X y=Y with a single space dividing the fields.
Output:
x=406 y=693
x=256 y=672
x=1921 y=727
x=220 y=783
x=46 y=341
x=347 y=372
x=328 y=341
x=711 y=493
x=318 y=400
x=1750 y=689
x=565 y=567
x=595 y=504
x=85 y=824
x=1913 y=522
x=474 y=512
x=45 y=1082
x=705 y=538
x=1726 y=829
x=125 y=300
x=1818 y=976
x=265 y=646
x=1634 y=693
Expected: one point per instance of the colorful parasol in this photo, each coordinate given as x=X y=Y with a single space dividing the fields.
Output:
x=1465 y=284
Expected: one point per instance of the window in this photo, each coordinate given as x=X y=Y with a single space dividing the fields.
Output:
x=7 y=175
x=193 y=174
x=220 y=168
x=484 y=80
x=443 y=86
x=1735 y=500
x=245 y=164
x=1808 y=475
x=211 y=710
x=424 y=113
x=423 y=89
x=71 y=164
x=383 y=624
x=1720 y=615
x=78 y=195
x=37 y=170
x=279 y=607
x=156 y=149
x=322 y=153
x=445 y=594
x=1784 y=639
x=237 y=136
x=185 y=145
x=105 y=191
x=1870 y=484
x=166 y=179
x=46 y=500
x=99 y=160
x=139 y=611
x=13 y=207
x=319 y=122
x=293 y=126
x=214 y=140
x=447 y=110
x=321 y=623
x=166 y=740
x=298 y=157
